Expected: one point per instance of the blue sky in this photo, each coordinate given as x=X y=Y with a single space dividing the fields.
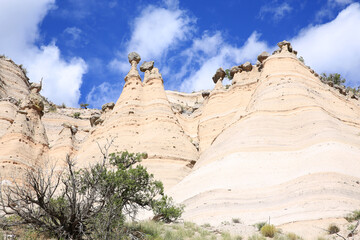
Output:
x=80 y=47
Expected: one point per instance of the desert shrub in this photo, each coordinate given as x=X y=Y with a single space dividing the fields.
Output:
x=259 y=225
x=165 y=209
x=228 y=75
x=256 y=237
x=52 y=108
x=268 y=230
x=206 y=225
x=333 y=229
x=292 y=236
x=288 y=236
x=236 y=220
x=76 y=115
x=228 y=236
x=333 y=77
x=354 y=216
x=91 y=202
x=301 y=59
x=84 y=105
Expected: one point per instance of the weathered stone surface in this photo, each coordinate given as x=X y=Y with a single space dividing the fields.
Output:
x=219 y=75
x=247 y=67
x=263 y=56
x=107 y=106
x=234 y=70
x=93 y=119
x=273 y=134
x=285 y=45
x=330 y=83
x=147 y=66
x=133 y=56
x=205 y=94
x=341 y=88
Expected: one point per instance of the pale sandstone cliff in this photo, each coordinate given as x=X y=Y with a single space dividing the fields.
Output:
x=278 y=143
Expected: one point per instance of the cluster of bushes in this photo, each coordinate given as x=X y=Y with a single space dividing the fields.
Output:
x=336 y=79
x=91 y=203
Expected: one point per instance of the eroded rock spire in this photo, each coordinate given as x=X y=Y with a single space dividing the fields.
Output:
x=134 y=59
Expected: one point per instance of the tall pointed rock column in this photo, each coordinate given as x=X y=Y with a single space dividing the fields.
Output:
x=170 y=151
x=122 y=125
x=142 y=121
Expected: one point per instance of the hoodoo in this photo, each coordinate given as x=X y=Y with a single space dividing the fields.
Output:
x=142 y=121
x=278 y=142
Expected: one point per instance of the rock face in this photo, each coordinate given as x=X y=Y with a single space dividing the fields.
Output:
x=147 y=66
x=133 y=56
x=246 y=67
x=271 y=146
x=23 y=140
x=263 y=56
x=277 y=143
x=219 y=75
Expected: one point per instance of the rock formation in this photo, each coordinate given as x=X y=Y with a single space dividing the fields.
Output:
x=278 y=143
x=23 y=140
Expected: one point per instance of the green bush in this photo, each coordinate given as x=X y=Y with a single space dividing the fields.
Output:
x=301 y=59
x=92 y=202
x=288 y=236
x=354 y=216
x=165 y=209
x=333 y=229
x=76 y=115
x=84 y=105
x=256 y=237
x=259 y=225
x=268 y=230
x=334 y=77
x=52 y=108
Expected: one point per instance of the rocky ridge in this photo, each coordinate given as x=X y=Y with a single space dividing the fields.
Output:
x=279 y=142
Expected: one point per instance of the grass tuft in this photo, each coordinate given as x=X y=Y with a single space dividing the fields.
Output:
x=268 y=230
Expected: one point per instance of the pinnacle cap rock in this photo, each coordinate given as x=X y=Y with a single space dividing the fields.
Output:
x=246 y=66
x=263 y=56
x=234 y=70
x=283 y=43
x=133 y=56
x=220 y=73
x=147 y=66
x=205 y=94
x=109 y=105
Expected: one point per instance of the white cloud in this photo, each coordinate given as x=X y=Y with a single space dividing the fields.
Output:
x=275 y=11
x=19 y=23
x=103 y=93
x=212 y=52
x=62 y=80
x=333 y=46
x=155 y=32
x=328 y=10
x=74 y=32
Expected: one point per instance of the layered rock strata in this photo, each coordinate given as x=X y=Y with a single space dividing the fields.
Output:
x=279 y=142
x=143 y=121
